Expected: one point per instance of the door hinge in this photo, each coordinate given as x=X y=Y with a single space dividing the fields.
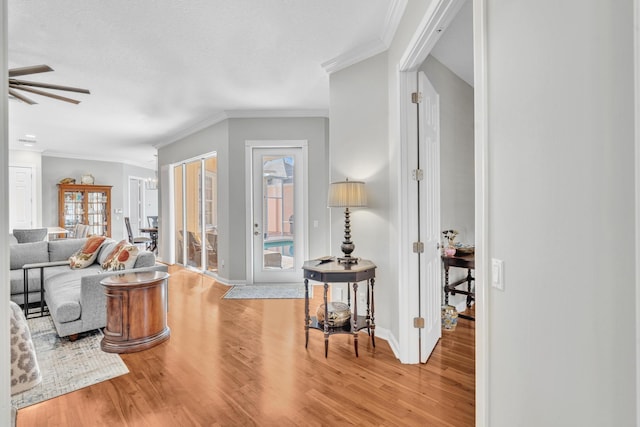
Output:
x=418 y=322
x=417 y=174
x=416 y=97
x=418 y=247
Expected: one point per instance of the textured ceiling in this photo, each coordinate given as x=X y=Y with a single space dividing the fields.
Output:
x=156 y=68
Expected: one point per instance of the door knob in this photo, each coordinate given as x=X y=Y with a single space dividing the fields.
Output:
x=256 y=233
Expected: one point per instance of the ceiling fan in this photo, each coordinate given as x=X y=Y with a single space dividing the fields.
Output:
x=15 y=85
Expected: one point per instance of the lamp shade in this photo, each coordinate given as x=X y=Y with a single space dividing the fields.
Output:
x=347 y=194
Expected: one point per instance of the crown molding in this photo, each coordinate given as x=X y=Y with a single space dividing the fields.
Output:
x=374 y=47
x=239 y=114
x=183 y=133
x=101 y=158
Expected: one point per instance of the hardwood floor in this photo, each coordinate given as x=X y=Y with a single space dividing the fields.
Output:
x=243 y=363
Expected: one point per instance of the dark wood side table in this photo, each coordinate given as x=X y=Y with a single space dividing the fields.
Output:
x=460 y=261
x=335 y=272
x=137 y=305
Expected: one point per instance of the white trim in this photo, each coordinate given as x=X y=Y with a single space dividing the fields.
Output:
x=438 y=16
x=5 y=362
x=354 y=56
x=238 y=114
x=101 y=158
x=481 y=155
x=435 y=21
x=407 y=261
x=636 y=115
x=373 y=47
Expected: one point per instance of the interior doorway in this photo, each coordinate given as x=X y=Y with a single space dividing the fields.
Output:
x=427 y=35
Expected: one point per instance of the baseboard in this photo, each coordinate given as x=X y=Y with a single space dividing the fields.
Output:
x=223 y=280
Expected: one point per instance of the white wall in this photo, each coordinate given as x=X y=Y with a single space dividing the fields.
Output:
x=105 y=173
x=359 y=151
x=561 y=213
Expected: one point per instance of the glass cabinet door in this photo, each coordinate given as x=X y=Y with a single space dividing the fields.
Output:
x=73 y=209
x=97 y=212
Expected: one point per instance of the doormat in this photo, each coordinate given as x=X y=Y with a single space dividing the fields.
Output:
x=279 y=291
x=67 y=366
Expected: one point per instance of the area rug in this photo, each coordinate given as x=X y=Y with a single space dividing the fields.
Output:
x=279 y=291
x=67 y=366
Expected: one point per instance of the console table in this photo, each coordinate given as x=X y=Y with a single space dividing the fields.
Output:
x=137 y=305
x=460 y=261
x=332 y=271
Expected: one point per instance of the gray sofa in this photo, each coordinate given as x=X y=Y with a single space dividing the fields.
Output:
x=74 y=297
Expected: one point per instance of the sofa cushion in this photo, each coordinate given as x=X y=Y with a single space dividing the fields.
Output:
x=88 y=253
x=30 y=235
x=12 y=239
x=27 y=253
x=145 y=259
x=62 y=249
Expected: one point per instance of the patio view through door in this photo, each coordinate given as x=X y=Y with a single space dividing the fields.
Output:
x=278 y=216
x=196 y=213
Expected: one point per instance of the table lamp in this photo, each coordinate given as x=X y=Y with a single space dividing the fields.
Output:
x=347 y=194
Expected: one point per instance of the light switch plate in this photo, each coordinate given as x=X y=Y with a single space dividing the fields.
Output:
x=497 y=273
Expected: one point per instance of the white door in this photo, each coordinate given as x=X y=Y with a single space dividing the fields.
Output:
x=21 y=197
x=429 y=215
x=278 y=217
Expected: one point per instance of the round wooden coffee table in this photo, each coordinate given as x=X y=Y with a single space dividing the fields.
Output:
x=136 y=311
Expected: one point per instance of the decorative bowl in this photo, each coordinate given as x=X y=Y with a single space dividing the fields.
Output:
x=339 y=314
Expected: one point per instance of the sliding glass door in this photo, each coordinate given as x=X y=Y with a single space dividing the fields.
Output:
x=196 y=215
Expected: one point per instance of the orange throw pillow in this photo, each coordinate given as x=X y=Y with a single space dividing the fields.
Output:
x=88 y=253
x=123 y=257
x=114 y=253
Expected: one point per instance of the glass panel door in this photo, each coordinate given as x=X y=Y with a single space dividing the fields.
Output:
x=211 y=212
x=179 y=213
x=193 y=205
x=278 y=200
x=196 y=213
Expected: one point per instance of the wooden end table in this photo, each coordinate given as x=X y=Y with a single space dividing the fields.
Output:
x=137 y=305
x=335 y=272
x=460 y=261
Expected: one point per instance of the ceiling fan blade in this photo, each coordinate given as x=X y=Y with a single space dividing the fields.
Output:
x=21 y=97
x=50 y=95
x=47 y=86
x=34 y=69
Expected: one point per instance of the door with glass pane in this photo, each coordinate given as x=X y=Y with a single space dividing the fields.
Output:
x=277 y=225
x=196 y=213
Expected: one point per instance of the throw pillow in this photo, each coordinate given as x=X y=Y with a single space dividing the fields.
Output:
x=113 y=253
x=88 y=253
x=124 y=259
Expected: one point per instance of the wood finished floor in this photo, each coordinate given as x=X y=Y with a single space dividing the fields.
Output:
x=243 y=363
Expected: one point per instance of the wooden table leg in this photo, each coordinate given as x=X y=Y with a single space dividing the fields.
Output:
x=354 y=317
x=326 y=321
x=306 y=313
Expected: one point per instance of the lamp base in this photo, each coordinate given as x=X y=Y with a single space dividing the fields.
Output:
x=347 y=260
